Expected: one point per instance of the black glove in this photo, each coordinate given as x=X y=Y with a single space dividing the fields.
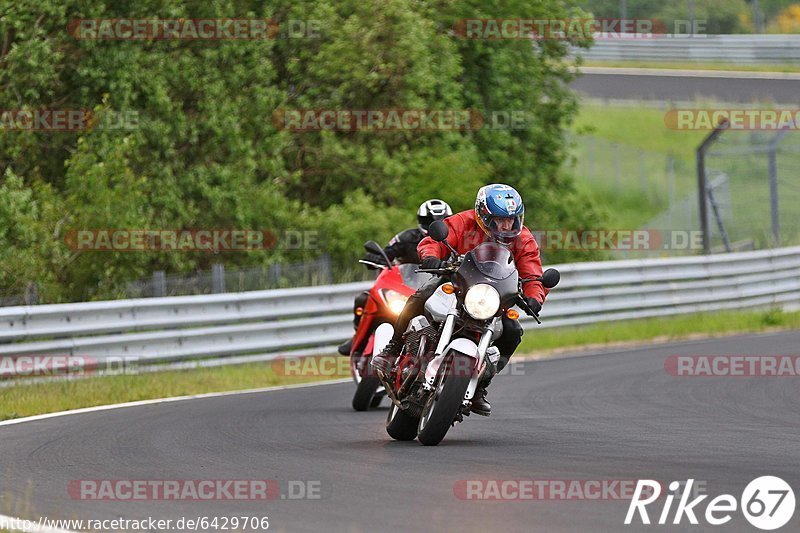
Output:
x=534 y=304
x=375 y=258
x=431 y=262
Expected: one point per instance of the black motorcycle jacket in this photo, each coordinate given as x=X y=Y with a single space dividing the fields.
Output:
x=403 y=246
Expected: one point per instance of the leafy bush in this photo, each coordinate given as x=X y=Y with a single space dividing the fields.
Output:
x=203 y=151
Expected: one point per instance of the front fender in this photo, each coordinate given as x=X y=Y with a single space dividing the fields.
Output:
x=465 y=346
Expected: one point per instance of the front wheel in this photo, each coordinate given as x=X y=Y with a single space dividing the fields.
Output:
x=399 y=425
x=365 y=393
x=444 y=404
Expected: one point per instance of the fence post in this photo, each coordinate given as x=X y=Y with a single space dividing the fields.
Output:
x=217 y=278
x=325 y=270
x=642 y=175
x=671 y=179
x=31 y=294
x=159 y=283
x=773 y=196
x=702 y=185
x=773 y=186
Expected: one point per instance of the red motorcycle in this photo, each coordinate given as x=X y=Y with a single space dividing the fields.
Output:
x=386 y=299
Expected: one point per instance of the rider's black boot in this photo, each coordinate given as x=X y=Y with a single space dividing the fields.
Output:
x=384 y=361
x=345 y=347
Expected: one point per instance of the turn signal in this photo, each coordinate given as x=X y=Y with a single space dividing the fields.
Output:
x=512 y=314
x=448 y=288
x=359 y=311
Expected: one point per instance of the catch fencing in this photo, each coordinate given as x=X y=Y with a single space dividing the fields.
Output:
x=314 y=319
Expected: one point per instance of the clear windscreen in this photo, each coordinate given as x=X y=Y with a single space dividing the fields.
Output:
x=411 y=277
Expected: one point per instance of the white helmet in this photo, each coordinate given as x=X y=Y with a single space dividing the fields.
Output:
x=430 y=210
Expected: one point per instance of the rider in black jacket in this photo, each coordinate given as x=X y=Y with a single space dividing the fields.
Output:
x=402 y=249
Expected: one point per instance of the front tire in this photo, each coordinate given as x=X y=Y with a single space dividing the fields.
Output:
x=444 y=404
x=399 y=425
x=365 y=393
x=376 y=400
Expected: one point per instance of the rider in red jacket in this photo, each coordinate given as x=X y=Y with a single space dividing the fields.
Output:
x=465 y=234
x=498 y=216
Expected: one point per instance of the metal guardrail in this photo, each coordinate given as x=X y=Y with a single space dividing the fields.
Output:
x=742 y=49
x=311 y=318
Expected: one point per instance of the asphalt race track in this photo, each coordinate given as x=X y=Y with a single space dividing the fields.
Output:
x=672 y=86
x=612 y=416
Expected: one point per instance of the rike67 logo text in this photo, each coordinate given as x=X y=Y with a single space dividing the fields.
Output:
x=767 y=502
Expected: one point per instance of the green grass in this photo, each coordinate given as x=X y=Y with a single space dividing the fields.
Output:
x=662 y=329
x=621 y=155
x=639 y=127
x=621 y=160
x=694 y=66
x=32 y=399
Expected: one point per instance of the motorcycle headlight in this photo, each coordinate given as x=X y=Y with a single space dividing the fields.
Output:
x=482 y=301
x=394 y=300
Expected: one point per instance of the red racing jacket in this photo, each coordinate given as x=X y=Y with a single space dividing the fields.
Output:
x=465 y=234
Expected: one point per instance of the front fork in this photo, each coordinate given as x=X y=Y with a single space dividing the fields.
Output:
x=465 y=346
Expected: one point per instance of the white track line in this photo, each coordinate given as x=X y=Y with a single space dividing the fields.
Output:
x=679 y=73
x=154 y=401
x=37 y=529
x=41 y=529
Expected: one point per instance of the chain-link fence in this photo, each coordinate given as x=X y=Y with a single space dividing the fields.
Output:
x=753 y=201
x=650 y=181
x=275 y=276
x=752 y=190
x=763 y=207
x=219 y=279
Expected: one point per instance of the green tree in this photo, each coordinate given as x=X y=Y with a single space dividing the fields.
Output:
x=203 y=150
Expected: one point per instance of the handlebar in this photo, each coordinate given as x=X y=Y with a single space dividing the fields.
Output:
x=370 y=263
x=523 y=304
x=449 y=268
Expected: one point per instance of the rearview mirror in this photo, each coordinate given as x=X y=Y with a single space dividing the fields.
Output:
x=373 y=247
x=550 y=278
x=438 y=231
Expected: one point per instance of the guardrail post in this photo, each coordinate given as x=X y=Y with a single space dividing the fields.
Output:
x=217 y=278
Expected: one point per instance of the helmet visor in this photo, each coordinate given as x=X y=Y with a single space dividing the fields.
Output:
x=505 y=229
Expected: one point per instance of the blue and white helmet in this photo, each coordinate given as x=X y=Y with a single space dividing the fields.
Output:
x=499 y=201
